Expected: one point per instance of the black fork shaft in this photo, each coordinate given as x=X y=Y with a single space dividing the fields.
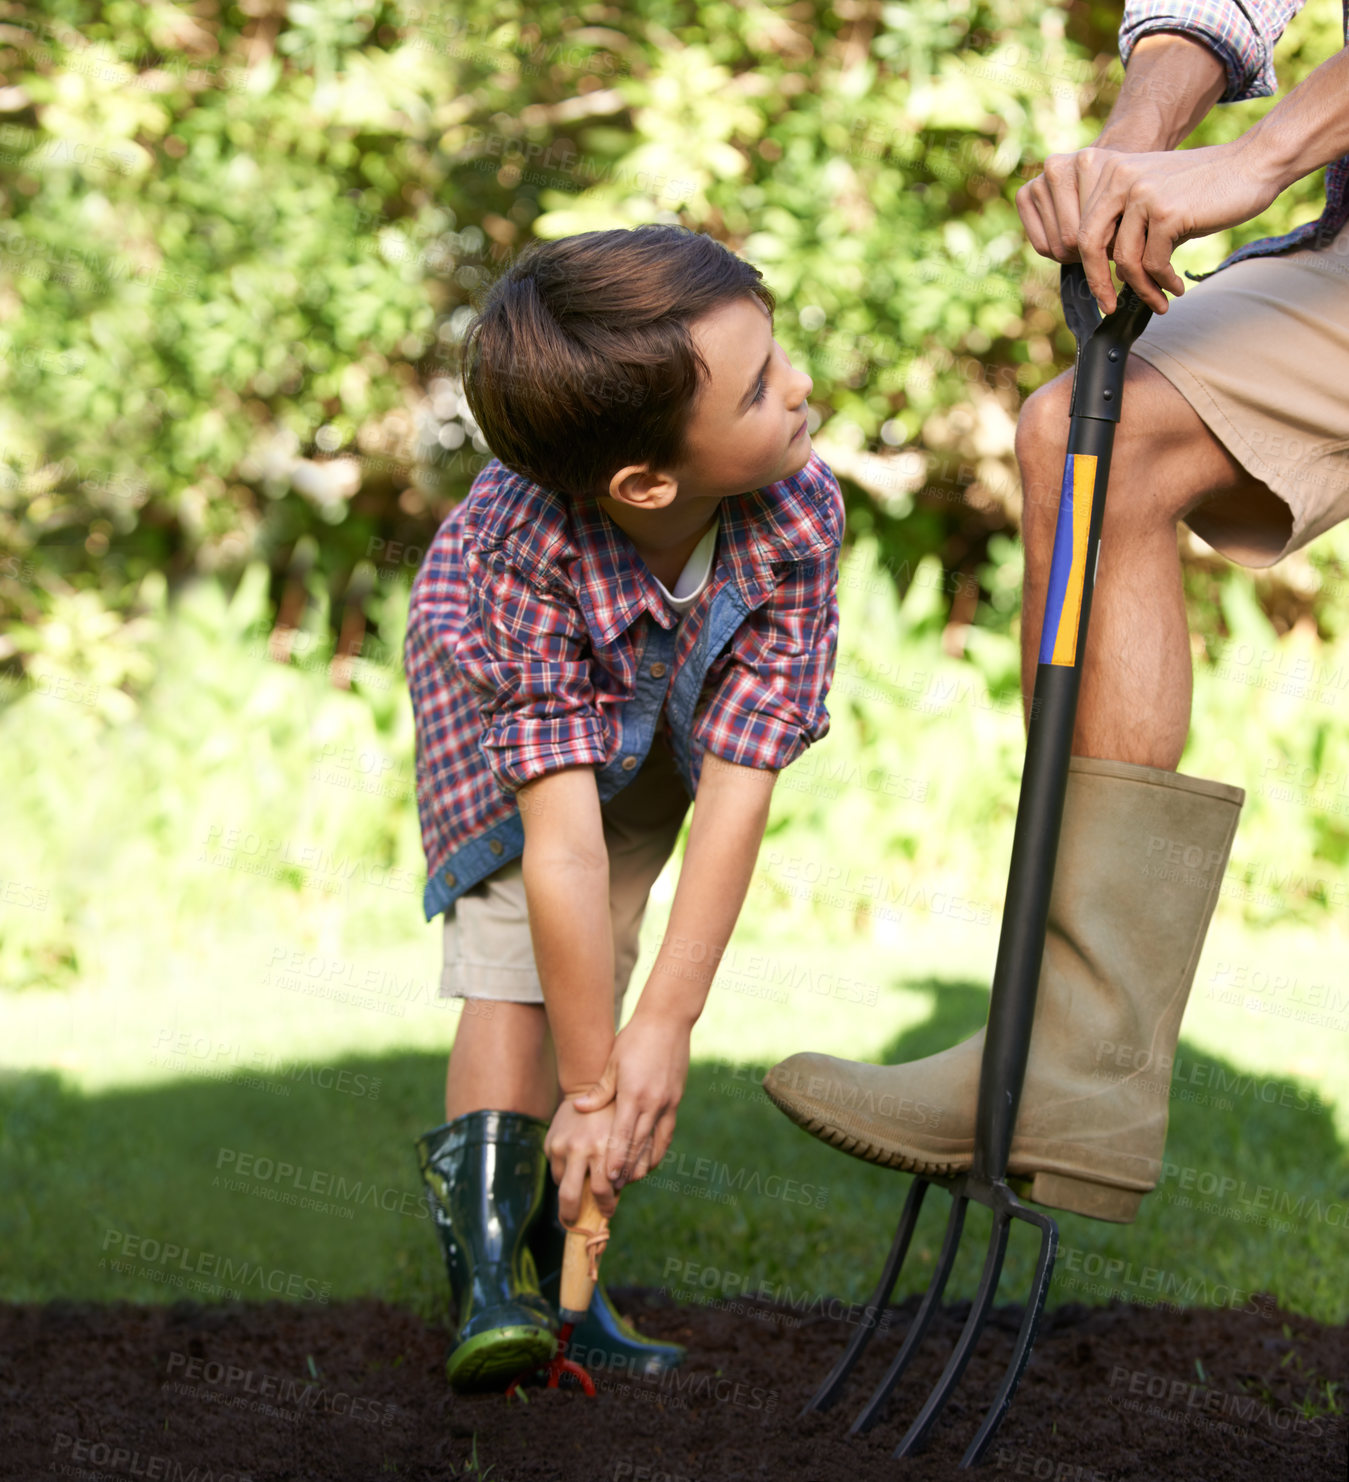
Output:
x=1098 y=386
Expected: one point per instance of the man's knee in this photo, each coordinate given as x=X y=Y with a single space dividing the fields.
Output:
x=1164 y=458
x=1041 y=442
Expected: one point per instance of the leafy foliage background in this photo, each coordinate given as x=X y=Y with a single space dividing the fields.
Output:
x=239 y=244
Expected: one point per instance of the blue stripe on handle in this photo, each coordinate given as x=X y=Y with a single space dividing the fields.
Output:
x=1061 y=566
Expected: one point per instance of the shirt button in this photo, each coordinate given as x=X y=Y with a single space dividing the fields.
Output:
x=657 y=670
x=449 y=879
x=495 y=845
x=629 y=762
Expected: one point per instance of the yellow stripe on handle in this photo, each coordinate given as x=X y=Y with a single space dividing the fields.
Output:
x=1084 y=490
x=586 y=1240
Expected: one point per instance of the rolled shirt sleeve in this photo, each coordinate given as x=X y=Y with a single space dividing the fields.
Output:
x=768 y=689
x=1242 y=33
x=526 y=652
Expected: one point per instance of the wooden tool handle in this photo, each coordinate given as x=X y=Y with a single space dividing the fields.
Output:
x=586 y=1240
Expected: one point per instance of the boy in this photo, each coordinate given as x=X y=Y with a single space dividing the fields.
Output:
x=634 y=606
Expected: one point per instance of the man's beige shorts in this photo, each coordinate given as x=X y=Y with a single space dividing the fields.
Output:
x=488 y=950
x=1261 y=352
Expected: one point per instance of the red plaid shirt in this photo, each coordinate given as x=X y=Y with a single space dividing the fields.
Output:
x=538 y=639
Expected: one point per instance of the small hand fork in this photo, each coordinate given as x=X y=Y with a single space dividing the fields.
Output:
x=581 y=1254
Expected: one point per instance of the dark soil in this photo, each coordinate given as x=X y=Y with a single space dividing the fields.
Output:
x=192 y=1393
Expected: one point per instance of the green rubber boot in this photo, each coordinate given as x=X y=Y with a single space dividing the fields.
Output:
x=484 y=1175
x=604 y=1341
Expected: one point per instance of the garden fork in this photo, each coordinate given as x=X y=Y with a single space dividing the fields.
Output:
x=1098 y=384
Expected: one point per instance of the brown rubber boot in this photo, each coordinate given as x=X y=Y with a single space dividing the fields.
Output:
x=1141 y=855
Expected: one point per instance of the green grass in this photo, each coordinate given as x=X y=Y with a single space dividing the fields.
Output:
x=125 y=1142
x=172 y=1012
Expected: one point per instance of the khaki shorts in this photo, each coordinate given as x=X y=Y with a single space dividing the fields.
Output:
x=488 y=950
x=1261 y=352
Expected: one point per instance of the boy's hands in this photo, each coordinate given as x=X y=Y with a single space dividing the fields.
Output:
x=619 y=1126
x=644 y=1080
x=578 y=1143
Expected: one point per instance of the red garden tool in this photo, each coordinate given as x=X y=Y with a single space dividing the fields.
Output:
x=586 y=1240
x=1098 y=383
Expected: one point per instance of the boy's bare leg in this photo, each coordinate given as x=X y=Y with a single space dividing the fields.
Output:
x=502 y=1060
x=1137 y=679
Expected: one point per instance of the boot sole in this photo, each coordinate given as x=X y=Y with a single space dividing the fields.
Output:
x=859 y=1147
x=1054 y=1190
x=491 y=1360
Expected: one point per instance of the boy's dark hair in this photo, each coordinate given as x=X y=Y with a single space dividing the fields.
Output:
x=580 y=360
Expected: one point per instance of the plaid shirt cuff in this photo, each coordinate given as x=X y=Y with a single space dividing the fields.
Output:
x=767 y=740
x=1246 y=53
x=519 y=750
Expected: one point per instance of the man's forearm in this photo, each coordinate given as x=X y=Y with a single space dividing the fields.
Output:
x=1308 y=129
x=1171 y=82
x=729 y=817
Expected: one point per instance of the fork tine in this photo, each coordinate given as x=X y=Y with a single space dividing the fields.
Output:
x=1030 y=1323
x=828 y=1392
x=916 y=1435
x=921 y=1319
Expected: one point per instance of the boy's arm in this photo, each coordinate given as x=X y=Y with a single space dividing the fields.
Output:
x=729 y=817
x=650 y=1061
x=767 y=706
x=566 y=876
x=526 y=651
x=524 y=647
x=770 y=683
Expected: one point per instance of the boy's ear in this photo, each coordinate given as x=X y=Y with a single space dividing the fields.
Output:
x=643 y=487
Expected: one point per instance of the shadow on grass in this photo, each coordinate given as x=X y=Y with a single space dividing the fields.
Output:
x=303 y=1183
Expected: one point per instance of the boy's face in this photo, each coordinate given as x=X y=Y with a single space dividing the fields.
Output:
x=748 y=426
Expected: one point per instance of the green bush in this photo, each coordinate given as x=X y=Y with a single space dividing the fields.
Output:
x=164 y=777
x=241 y=248
x=240 y=252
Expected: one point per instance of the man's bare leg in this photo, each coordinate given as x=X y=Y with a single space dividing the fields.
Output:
x=1137 y=680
